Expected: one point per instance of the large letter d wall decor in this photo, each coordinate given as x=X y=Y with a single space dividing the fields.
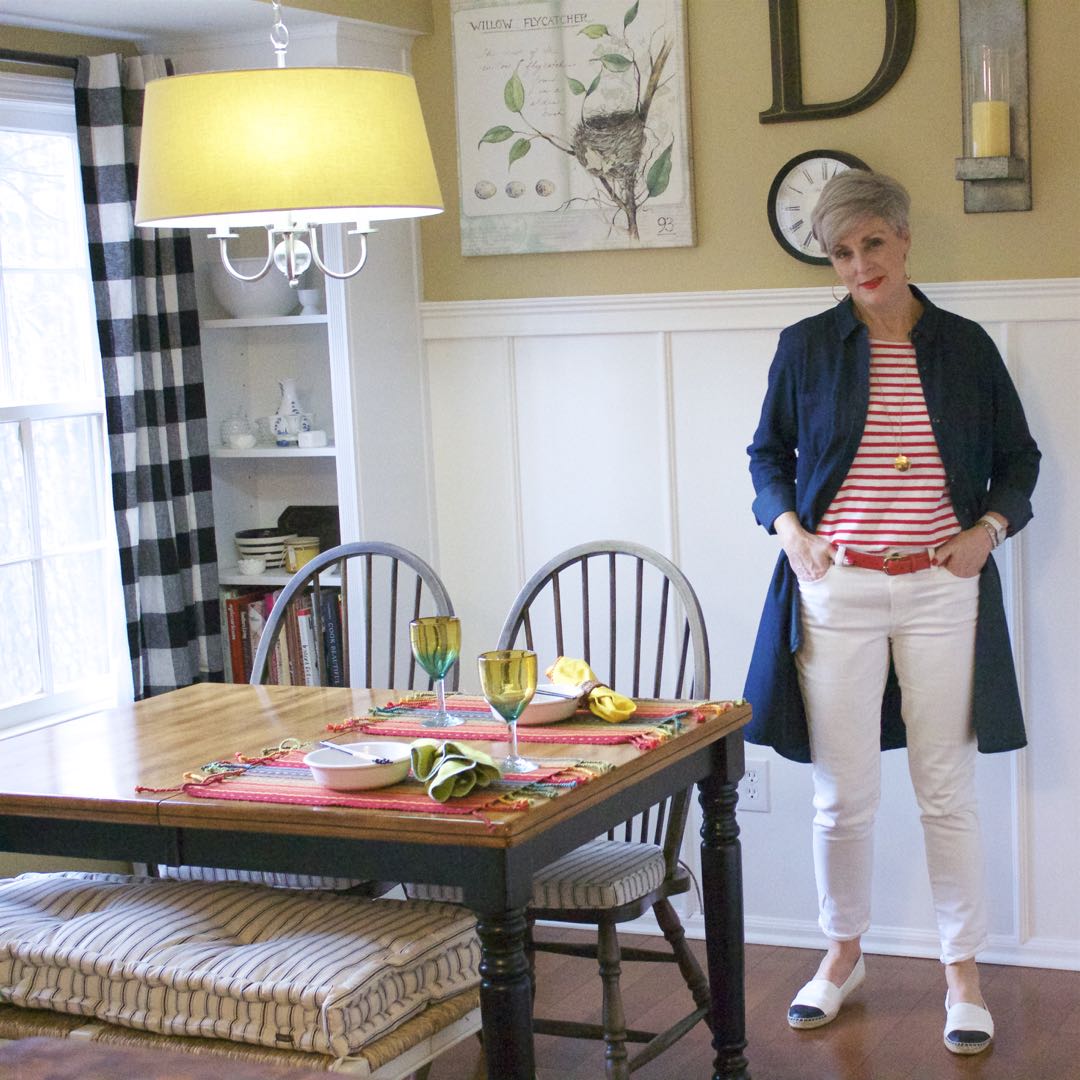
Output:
x=787 y=103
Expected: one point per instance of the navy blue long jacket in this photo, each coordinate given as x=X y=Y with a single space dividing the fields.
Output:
x=811 y=424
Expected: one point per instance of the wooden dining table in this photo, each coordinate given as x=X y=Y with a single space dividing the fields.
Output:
x=104 y=785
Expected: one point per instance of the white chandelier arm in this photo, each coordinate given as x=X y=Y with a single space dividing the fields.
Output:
x=224 y=237
x=279 y=35
x=362 y=233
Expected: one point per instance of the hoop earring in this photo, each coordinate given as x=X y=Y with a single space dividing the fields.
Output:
x=838 y=299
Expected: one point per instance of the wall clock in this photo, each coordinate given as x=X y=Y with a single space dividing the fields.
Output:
x=795 y=192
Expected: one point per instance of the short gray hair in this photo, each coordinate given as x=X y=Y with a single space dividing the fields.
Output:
x=852 y=196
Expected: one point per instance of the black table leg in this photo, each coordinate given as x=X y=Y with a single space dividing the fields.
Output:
x=506 y=995
x=721 y=874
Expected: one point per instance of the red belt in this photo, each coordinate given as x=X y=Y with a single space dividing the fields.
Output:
x=895 y=563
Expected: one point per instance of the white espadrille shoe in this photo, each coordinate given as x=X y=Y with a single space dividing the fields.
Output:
x=818 y=1002
x=969 y=1029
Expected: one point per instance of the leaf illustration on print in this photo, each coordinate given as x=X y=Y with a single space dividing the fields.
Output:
x=613 y=141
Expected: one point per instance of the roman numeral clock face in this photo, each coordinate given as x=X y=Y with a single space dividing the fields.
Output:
x=794 y=194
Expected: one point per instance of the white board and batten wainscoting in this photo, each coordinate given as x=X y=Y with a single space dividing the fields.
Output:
x=555 y=421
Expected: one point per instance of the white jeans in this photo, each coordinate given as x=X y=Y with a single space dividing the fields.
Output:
x=850 y=619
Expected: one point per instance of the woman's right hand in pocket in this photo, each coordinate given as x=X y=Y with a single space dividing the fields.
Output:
x=809 y=555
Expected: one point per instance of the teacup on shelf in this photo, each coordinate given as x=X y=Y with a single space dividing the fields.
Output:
x=251 y=564
x=287 y=428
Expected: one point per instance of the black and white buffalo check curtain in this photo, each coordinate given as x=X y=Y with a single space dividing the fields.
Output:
x=144 y=292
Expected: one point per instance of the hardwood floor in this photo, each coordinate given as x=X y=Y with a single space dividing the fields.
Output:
x=891 y=1029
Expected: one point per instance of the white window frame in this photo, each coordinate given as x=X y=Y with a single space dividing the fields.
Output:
x=38 y=103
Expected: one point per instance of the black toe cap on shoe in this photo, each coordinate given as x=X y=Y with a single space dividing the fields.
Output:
x=804 y=1012
x=968 y=1038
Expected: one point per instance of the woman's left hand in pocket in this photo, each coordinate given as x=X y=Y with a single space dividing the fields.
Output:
x=965 y=554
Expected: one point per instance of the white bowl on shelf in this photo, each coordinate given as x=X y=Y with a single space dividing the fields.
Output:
x=339 y=771
x=270 y=296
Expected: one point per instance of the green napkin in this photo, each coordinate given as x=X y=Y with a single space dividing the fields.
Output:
x=449 y=769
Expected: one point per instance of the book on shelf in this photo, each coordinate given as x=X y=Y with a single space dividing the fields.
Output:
x=332 y=644
x=279 y=655
x=291 y=634
x=308 y=649
x=256 y=621
x=258 y=614
x=309 y=661
x=237 y=631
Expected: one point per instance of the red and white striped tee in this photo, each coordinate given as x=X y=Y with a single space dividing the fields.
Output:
x=877 y=505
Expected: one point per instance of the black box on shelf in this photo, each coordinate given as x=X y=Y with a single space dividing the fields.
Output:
x=320 y=521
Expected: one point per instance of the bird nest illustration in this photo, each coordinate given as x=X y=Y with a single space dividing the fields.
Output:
x=625 y=155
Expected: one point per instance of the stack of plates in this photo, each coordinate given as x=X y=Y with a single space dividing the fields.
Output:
x=268 y=544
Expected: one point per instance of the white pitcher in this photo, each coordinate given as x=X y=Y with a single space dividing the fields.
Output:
x=289 y=406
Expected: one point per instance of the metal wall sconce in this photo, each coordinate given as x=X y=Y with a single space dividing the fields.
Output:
x=996 y=166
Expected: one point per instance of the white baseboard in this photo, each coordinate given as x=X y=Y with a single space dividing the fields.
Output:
x=889 y=941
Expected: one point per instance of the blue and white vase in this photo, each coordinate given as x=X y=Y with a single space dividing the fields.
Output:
x=286 y=420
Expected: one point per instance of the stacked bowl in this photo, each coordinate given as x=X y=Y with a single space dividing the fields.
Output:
x=270 y=296
x=268 y=544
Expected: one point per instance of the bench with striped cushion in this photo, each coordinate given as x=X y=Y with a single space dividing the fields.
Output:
x=277 y=968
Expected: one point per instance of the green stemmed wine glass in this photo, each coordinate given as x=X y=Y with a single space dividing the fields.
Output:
x=508 y=681
x=436 y=643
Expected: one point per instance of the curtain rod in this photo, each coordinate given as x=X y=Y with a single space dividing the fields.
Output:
x=18 y=56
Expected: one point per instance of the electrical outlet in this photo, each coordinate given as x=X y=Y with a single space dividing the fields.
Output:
x=754 y=786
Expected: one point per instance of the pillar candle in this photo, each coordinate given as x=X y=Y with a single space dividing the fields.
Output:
x=990 y=129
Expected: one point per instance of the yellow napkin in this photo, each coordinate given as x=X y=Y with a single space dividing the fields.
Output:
x=449 y=769
x=603 y=701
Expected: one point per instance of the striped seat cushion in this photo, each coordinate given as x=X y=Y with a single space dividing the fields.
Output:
x=600 y=874
x=264 y=877
x=279 y=968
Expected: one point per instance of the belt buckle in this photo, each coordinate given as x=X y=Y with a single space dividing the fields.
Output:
x=891 y=560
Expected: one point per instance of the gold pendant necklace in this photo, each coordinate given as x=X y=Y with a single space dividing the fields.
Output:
x=901 y=463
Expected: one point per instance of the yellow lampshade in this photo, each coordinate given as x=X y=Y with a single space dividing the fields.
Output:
x=272 y=146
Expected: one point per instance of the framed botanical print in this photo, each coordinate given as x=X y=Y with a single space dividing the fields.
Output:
x=573 y=125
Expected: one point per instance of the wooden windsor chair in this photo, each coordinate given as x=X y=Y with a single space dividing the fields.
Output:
x=365 y=592
x=633 y=616
x=395 y=585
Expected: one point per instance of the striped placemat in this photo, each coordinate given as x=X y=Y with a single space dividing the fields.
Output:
x=282 y=777
x=653 y=723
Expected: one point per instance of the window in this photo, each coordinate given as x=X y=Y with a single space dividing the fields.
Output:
x=61 y=621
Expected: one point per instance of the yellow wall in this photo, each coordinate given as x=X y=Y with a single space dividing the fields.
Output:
x=913 y=133
x=47 y=41
x=407 y=14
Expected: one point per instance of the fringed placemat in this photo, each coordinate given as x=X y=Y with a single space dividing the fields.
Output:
x=653 y=723
x=280 y=776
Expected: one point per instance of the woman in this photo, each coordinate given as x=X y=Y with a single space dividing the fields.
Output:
x=891 y=458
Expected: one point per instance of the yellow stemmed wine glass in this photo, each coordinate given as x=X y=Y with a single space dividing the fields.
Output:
x=508 y=681
x=436 y=643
